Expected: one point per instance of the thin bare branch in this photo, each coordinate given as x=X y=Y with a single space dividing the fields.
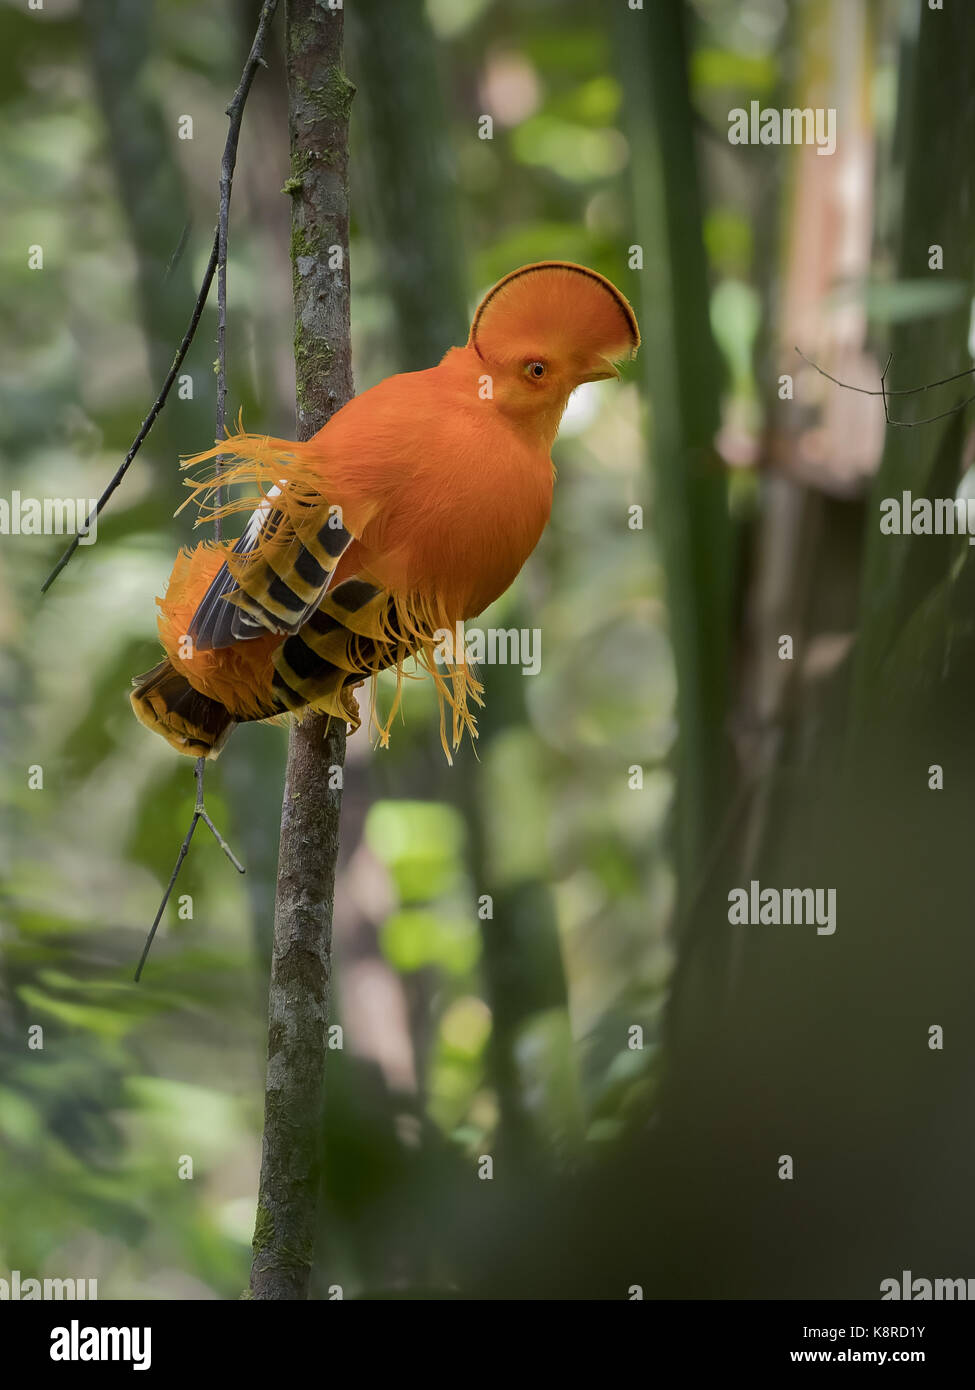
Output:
x=218 y=259
x=885 y=393
x=200 y=813
x=177 y=255
x=227 y=164
x=148 y=422
x=218 y=262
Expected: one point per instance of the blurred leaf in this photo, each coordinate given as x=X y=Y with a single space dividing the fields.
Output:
x=575 y=152
x=414 y=939
x=420 y=843
x=753 y=73
x=904 y=300
x=106 y=1023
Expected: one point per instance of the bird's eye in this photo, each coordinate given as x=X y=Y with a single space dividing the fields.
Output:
x=535 y=370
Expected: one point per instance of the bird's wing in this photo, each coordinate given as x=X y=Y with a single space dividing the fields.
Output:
x=275 y=575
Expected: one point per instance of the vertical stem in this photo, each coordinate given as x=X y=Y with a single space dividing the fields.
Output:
x=682 y=376
x=319 y=99
x=403 y=177
x=938 y=101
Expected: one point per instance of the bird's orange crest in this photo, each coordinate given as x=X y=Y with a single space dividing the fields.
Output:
x=554 y=306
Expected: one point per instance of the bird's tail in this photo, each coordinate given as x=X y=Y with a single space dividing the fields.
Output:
x=191 y=723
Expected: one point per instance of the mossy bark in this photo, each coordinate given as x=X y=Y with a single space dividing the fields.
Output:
x=320 y=96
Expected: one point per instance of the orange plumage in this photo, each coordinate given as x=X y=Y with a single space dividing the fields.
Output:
x=412 y=510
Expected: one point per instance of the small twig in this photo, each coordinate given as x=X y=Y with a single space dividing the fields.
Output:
x=227 y=164
x=218 y=261
x=883 y=385
x=930 y=419
x=177 y=255
x=218 y=257
x=865 y=390
x=200 y=813
x=905 y=391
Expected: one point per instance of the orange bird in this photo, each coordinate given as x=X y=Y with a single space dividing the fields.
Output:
x=412 y=510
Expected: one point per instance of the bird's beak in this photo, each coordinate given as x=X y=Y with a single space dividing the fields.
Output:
x=601 y=370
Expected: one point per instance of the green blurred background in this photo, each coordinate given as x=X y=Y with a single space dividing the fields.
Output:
x=634 y=1064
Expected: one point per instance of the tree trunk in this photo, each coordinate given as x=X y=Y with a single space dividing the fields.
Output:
x=320 y=97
